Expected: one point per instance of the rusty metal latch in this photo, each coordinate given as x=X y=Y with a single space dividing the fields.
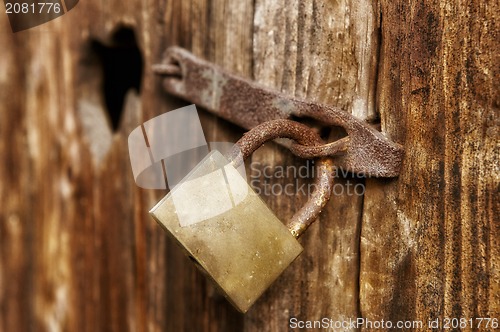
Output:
x=247 y=104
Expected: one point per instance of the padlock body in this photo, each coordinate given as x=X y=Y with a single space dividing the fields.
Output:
x=242 y=246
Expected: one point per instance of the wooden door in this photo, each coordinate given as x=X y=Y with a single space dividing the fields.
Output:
x=78 y=250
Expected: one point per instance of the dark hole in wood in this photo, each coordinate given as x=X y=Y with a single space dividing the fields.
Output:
x=122 y=67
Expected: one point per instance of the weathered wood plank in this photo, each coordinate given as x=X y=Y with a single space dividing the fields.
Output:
x=148 y=290
x=430 y=239
x=16 y=231
x=313 y=50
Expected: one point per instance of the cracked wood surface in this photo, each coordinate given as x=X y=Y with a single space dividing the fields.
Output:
x=79 y=252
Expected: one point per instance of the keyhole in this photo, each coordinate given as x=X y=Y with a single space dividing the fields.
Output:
x=122 y=67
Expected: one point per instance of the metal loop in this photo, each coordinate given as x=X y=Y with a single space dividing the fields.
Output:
x=304 y=136
x=314 y=151
x=167 y=69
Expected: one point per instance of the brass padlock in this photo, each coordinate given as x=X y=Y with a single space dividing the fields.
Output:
x=227 y=229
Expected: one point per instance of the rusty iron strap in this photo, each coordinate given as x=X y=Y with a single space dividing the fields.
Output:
x=247 y=104
x=305 y=136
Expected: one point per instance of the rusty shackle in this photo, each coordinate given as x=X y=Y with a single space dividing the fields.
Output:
x=303 y=136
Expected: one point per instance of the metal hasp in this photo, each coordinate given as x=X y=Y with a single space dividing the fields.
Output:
x=247 y=104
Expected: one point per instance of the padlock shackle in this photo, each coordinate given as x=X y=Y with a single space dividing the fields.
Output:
x=303 y=135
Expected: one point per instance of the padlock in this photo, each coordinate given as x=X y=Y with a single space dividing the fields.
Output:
x=226 y=228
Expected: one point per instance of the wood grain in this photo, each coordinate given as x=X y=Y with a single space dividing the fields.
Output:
x=79 y=252
x=310 y=49
x=429 y=242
